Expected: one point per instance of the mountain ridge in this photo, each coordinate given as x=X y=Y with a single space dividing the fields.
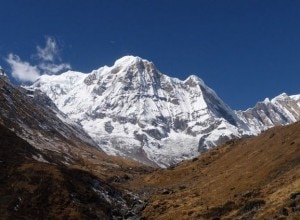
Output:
x=133 y=110
x=281 y=110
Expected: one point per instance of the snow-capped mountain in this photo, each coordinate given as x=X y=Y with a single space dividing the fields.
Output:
x=281 y=110
x=132 y=110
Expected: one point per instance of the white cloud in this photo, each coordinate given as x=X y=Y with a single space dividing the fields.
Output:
x=47 y=59
x=22 y=70
x=50 y=52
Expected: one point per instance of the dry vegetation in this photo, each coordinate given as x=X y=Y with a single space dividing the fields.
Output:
x=245 y=179
x=30 y=189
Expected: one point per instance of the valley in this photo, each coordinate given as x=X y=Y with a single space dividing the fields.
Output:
x=253 y=178
x=127 y=142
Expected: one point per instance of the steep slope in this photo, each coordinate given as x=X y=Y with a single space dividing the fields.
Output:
x=254 y=178
x=133 y=110
x=35 y=185
x=281 y=110
x=34 y=117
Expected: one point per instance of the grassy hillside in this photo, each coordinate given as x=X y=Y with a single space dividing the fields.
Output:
x=253 y=178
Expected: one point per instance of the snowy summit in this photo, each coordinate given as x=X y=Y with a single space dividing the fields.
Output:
x=133 y=110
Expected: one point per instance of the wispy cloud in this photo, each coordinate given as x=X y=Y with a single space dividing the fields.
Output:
x=50 y=52
x=48 y=62
x=22 y=70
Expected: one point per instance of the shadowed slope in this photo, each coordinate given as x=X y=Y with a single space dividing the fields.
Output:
x=38 y=186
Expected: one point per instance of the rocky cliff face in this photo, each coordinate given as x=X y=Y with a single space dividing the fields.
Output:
x=133 y=110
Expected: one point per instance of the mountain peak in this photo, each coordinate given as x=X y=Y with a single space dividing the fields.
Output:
x=128 y=60
x=282 y=96
x=194 y=80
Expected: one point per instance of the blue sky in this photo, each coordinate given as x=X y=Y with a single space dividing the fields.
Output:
x=245 y=50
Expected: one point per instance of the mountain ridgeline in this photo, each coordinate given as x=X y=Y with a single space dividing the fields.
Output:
x=133 y=110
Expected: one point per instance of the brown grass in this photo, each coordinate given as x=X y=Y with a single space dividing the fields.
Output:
x=34 y=190
x=252 y=178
